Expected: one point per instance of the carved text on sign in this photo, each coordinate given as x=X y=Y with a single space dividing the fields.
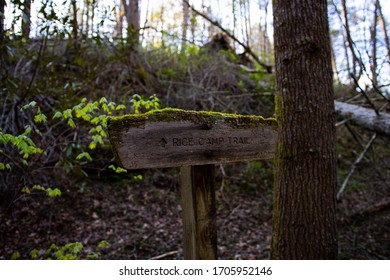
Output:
x=207 y=141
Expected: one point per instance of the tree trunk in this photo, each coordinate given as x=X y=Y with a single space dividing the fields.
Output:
x=2 y=32
x=118 y=33
x=186 y=16
x=383 y=24
x=374 y=63
x=304 y=221
x=87 y=6
x=2 y=19
x=133 y=22
x=93 y=7
x=75 y=25
x=26 y=19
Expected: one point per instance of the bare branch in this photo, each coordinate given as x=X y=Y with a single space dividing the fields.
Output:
x=353 y=167
x=247 y=49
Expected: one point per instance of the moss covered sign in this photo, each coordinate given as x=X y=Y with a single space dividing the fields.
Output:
x=172 y=137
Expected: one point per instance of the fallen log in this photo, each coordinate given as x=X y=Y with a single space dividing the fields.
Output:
x=364 y=117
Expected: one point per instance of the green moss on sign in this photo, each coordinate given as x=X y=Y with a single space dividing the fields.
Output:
x=197 y=117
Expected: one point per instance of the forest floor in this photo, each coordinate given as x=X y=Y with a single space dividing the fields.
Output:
x=142 y=220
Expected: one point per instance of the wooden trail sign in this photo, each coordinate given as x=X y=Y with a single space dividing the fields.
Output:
x=172 y=138
x=193 y=141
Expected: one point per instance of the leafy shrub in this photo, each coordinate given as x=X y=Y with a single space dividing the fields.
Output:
x=69 y=251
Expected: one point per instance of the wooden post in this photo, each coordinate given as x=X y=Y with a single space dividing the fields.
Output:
x=199 y=212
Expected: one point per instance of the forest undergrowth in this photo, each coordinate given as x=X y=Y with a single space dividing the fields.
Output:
x=59 y=183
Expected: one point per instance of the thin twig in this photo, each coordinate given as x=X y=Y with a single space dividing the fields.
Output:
x=353 y=167
x=342 y=122
x=30 y=85
x=162 y=256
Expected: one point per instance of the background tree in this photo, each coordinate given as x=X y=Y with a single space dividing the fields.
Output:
x=132 y=13
x=74 y=23
x=186 y=17
x=119 y=15
x=304 y=220
x=384 y=28
x=26 y=19
x=2 y=31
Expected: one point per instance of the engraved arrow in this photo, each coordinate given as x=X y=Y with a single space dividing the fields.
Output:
x=163 y=142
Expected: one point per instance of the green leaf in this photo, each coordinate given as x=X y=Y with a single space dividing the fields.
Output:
x=95 y=120
x=40 y=118
x=84 y=155
x=15 y=255
x=120 y=107
x=117 y=169
x=26 y=190
x=28 y=129
x=103 y=100
x=99 y=128
x=71 y=123
x=105 y=108
x=103 y=244
x=92 y=145
x=67 y=114
x=98 y=139
x=79 y=113
x=32 y=104
x=111 y=105
x=74 y=248
x=38 y=188
x=86 y=117
x=103 y=134
x=93 y=255
x=53 y=192
x=34 y=253
x=137 y=178
x=60 y=255
x=120 y=170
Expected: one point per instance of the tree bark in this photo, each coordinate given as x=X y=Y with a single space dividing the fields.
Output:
x=374 y=63
x=132 y=12
x=383 y=24
x=2 y=44
x=75 y=25
x=2 y=19
x=118 y=33
x=87 y=7
x=26 y=19
x=186 y=16
x=304 y=221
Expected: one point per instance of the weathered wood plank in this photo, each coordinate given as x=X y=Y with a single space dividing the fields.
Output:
x=199 y=212
x=172 y=138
